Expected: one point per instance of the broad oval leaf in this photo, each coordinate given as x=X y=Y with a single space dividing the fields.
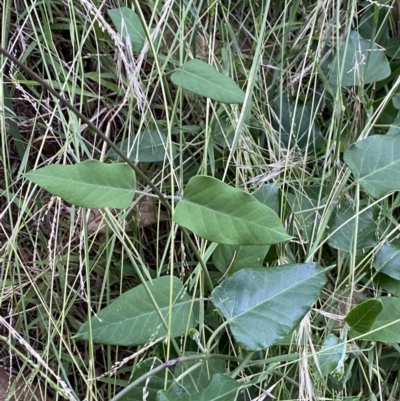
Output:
x=375 y=164
x=264 y=305
x=148 y=146
x=387 y=325
x=358 y=62
x=131 y=319
x=362 y=317
x=90 y=184
x=387 y=259
x=203 y=79
x=221 y=388
x=220 y=213
x=331 y=356
x=342 y=227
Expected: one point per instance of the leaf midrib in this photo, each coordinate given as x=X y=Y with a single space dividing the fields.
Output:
x=150 y=313
x=277 y=294
x=235 y=218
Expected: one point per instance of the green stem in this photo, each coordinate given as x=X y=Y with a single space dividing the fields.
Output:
x=84 y=119
x=160 y=368
x=141 y=379
x=242 y=362
x=241 y=365
x=213 y=335
x=118 y=151
x=324 y=222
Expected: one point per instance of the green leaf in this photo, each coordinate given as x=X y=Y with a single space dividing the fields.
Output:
x=388 y=283
x=358 y=63
x=300 y=125
x=200 y=377
x=393 y=48
x=362 y=317
x=351 y=399
x=375 y=164
x=395 y=126
x=305 y=203
x=220 y=213
x=202 y=79
x=343 y=221
x=331 y=356
x=387 y=259
x=224 y=133
x=269 y=195
x=373 y=25
x=236 y=257
x=131 y=319
x=389 y=360
x=101 y=78
x=387 y=325
x=221 y=388
x=396 y=100
x=127 y=22
x=193 y=129
x=148 y=146
x=264 y=305
x=155 y=383
x=90 y=184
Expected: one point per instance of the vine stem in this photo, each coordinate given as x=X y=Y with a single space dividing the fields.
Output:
x=242 y=362
x=118 y=151
x=160 y=368
x=84 y=119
